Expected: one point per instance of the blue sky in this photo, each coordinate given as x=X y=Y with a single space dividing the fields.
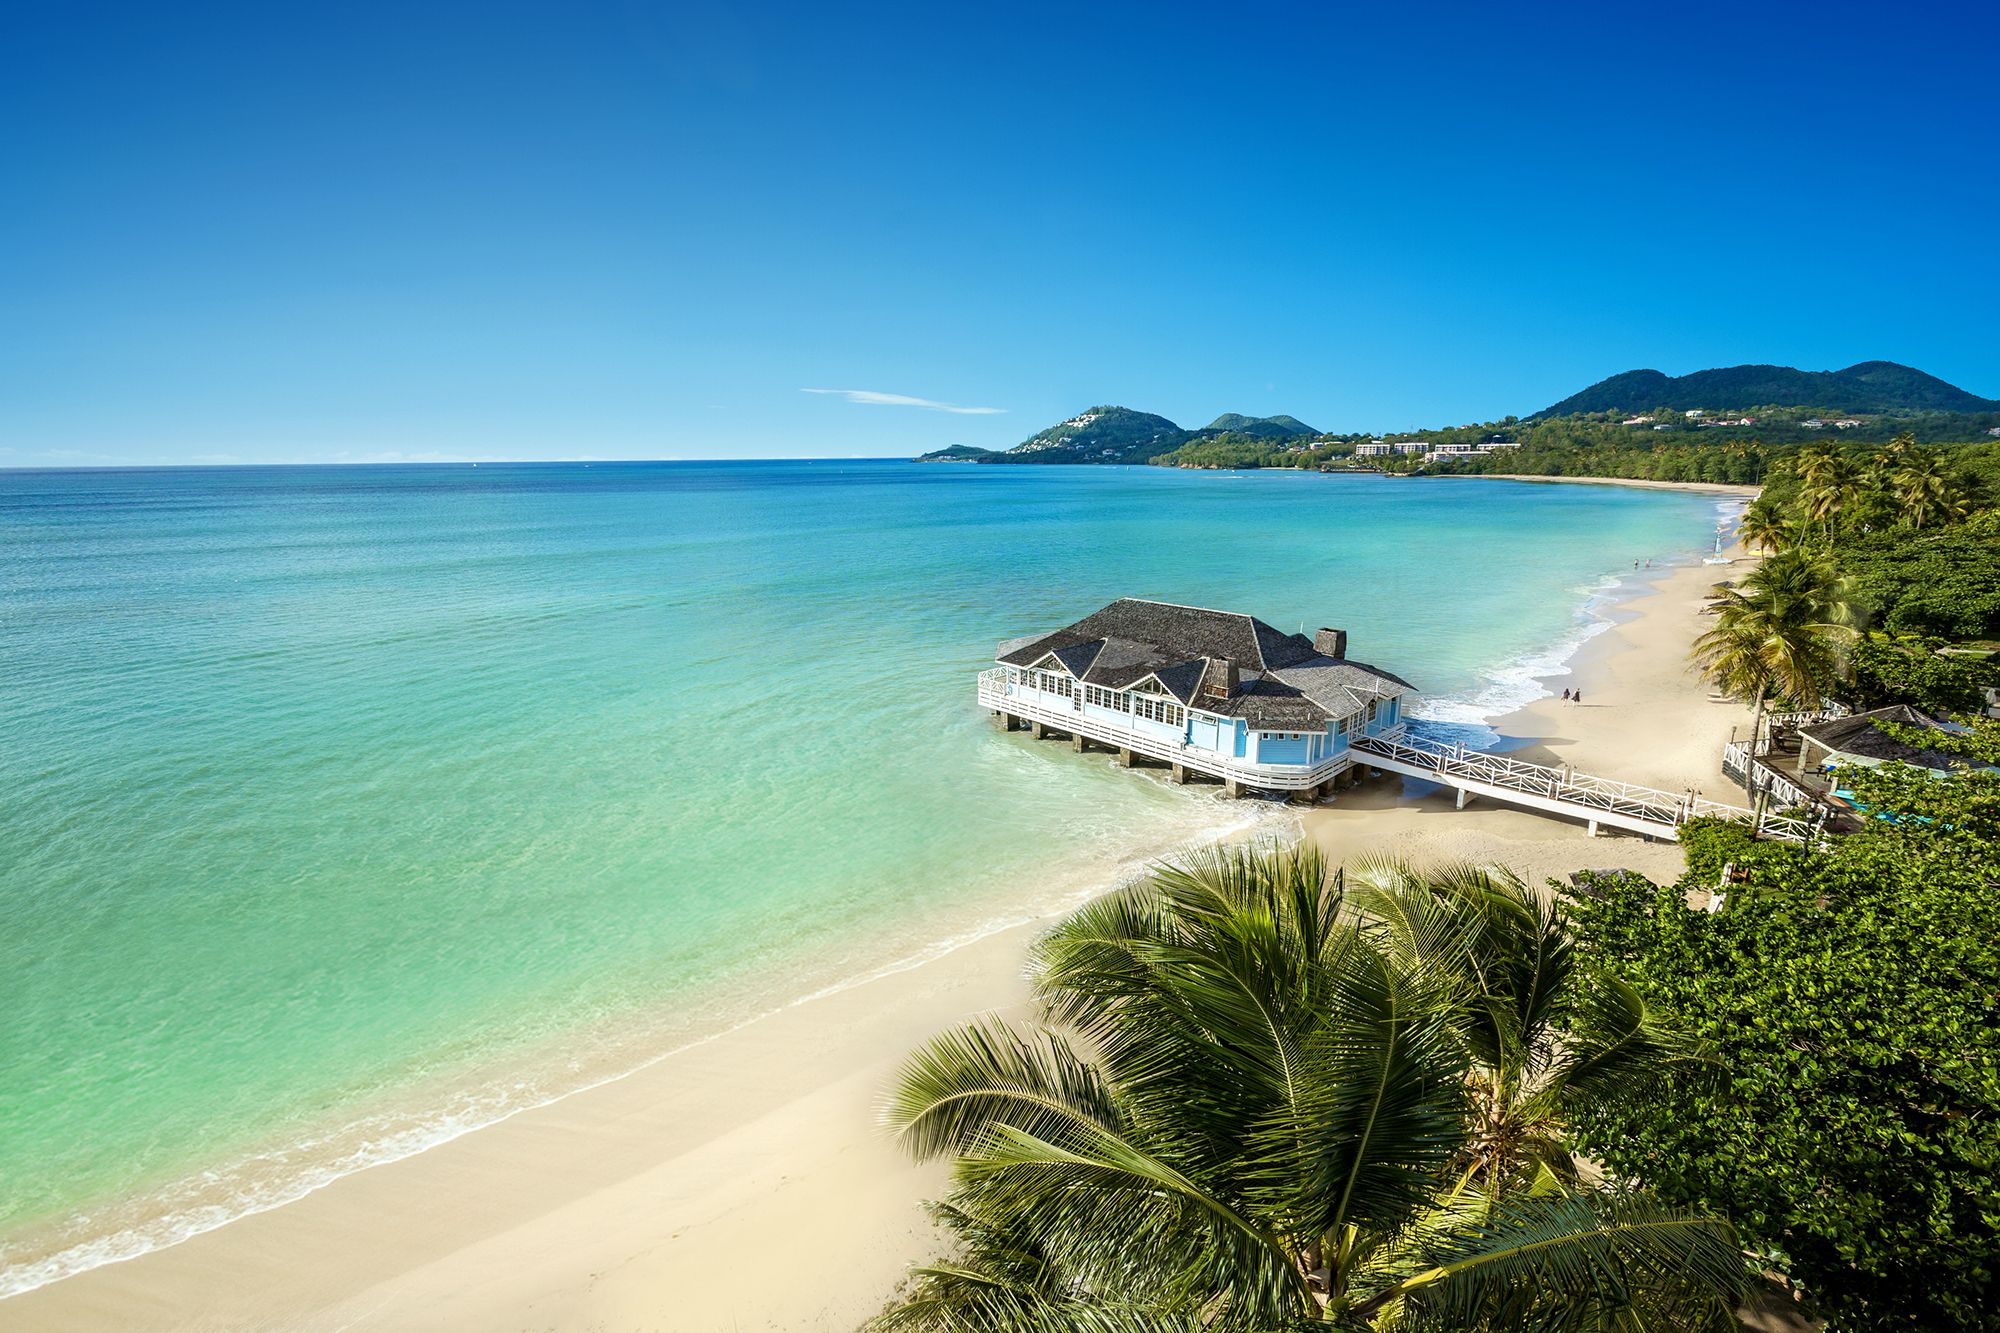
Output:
x=620 y=230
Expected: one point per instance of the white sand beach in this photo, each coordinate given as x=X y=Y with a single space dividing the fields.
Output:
x=743 y=1184
x=1699 y=487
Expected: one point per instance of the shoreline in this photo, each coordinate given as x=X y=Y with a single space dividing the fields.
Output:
x=1639 y=483
x=649 y=1198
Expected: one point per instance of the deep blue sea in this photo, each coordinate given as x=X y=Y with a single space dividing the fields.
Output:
x=348 y=808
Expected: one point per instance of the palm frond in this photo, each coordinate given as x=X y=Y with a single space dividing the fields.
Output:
x=1572 y=1261
x=957 y=1089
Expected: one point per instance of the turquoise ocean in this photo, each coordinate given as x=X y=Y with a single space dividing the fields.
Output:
x=347 y=809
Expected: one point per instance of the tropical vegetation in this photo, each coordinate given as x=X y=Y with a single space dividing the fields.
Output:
x=1259 y=1097
x=1900 y=544
x=1852 y=993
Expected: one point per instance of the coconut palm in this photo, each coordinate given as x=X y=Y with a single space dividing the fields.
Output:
x=1244 y=1109
x=1766 y=526
x=1781 y=633
x=1543 y=1036
x=1924 y=488
x=1828 y=484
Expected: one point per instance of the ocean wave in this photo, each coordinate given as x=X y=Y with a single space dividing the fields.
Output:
x=1518 y=682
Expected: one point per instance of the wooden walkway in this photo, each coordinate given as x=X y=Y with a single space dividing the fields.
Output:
x=1560 y=791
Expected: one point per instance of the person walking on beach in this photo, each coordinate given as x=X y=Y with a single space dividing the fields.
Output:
x=1576 y=698
x=1565 y=695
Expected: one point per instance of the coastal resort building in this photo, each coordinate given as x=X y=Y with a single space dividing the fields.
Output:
x=1859 y=741
x=1215 y=693
x=1799 y=760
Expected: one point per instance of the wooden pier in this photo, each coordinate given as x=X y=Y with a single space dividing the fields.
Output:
x=1563 y=791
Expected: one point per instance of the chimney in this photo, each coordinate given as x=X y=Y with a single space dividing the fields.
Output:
x=1220 y=678
x=1330 y=643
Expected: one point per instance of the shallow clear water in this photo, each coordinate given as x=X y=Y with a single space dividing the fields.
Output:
x=345 y=807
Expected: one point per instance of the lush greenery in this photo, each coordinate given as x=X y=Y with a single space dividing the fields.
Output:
x=1099 y=435
x=1899 y=542
x=1256 y=1101
x=1853 y=994
x=1872 y=386
x=1781 y=634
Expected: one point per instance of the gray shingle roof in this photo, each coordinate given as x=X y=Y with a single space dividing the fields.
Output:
x=1283 y=682
x=1858 y=735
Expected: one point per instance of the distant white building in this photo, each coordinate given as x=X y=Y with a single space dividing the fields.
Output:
x=1694 y=412
x=1814 y=424
x=1638 y=421
x=1847 y=424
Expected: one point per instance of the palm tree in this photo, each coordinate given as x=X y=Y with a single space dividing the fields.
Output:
x=1543 y=1036
x=1244 y=1108
x=1781 y=633
x=1765 y=526
x=1923 y=485
x=1828 y=483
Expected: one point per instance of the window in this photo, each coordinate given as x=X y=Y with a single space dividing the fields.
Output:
x=1158 y=710
x=1340 y=727
x=1372 y=705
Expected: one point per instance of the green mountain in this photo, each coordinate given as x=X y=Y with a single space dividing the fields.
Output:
x=957 y=453
x=1263 y=428
x=1872 y=386
x=1101 y=435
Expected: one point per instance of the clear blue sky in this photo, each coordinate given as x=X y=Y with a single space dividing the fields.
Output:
x=622 y=230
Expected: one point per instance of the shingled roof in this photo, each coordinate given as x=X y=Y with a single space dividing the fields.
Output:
x=1282 y=681
x=1859 y=735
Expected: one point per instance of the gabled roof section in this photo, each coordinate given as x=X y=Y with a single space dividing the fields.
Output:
x=1076 y=658
x=1181 y=679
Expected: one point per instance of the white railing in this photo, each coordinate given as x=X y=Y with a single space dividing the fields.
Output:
x=1581 y=793
x=1066 y=714
x=1754 y=775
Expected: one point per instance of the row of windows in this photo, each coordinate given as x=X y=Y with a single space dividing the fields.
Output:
x=1159 y=710
x=1103 y=698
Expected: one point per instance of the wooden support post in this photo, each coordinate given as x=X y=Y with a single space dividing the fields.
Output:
x=1124 y=759
x=1306 y=796
x=1232 y=788
x=1180 y=773
x=1463 y=797
x=1005 y=721
x=1076 y=741
x=1037 y=730
x=1593 y=828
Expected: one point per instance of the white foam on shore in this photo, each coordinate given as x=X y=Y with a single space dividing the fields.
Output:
x=1517 y=683
x=262 y=1182
x=1514 y=685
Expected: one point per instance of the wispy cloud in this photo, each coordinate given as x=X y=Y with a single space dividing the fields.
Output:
x=904 y=400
